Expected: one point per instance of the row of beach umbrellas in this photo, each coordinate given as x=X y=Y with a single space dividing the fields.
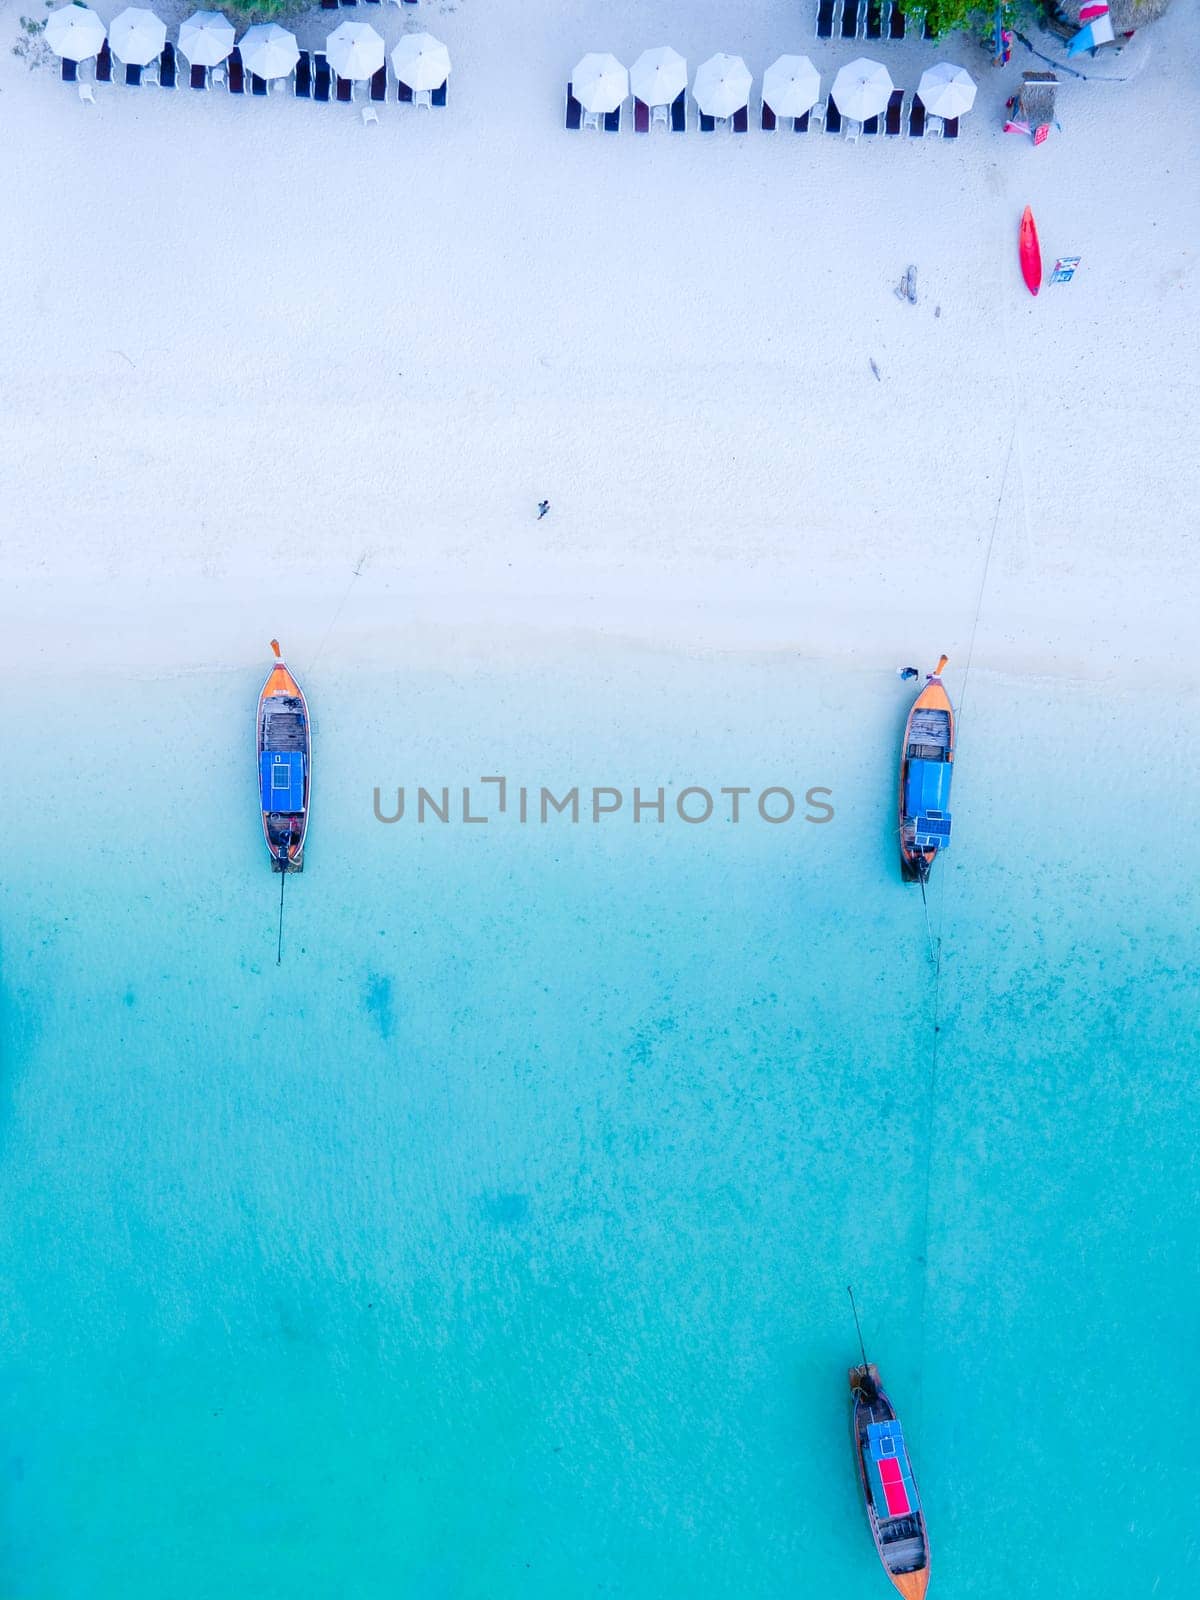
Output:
x=791 y=86
x=137 y=37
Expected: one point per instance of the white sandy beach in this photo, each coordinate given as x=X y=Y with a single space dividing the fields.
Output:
x=246 y=345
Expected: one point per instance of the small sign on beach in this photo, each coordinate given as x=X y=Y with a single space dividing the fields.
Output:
x=1064 y=269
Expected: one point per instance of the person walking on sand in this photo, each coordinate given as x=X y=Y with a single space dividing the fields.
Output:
x=543 y=508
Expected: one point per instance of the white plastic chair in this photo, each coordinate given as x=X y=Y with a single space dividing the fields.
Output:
x=87 y=94
x=660 y=117
x=216 y=76
x=423 y=97
x=369 y=116
x=851 y=130
x=591 y=119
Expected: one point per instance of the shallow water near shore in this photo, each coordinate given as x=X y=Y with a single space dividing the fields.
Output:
x=495 y=1244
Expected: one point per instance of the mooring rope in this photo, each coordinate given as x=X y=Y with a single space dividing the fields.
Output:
x=935 y=953
x=354 y=577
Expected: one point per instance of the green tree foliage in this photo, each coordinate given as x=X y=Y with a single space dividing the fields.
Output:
x=949 y=16
x=259 y=10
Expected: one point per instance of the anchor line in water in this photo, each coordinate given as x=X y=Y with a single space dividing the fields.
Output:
x=282 y=882
x=935 y=952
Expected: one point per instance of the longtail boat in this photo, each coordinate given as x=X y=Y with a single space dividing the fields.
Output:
x=926 y=767
x=889 y=1489
x=284 y=755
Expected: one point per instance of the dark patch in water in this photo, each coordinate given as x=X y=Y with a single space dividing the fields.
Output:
x=130 y=998
x=379 y=1003
x=506 y=1210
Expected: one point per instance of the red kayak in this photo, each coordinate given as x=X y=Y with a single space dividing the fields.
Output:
x=1031 y=253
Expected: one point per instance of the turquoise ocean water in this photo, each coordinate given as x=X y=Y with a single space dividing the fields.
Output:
x=495 y=1245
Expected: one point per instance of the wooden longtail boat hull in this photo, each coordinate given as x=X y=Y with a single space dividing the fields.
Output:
x=283 y=725
x=915 y=863
x=1031 y=252
x=911 y=1584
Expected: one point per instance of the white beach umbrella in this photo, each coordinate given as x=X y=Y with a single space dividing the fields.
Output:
x=600 y=83
x=268 y=50
x=658 y=76
x=421 y=61
x=355 y=50
x=862 y=89
x=722 y=86
x=206 y=38
x=791 y=86
x=74 y=32
x=137 y=36
x=947 y=90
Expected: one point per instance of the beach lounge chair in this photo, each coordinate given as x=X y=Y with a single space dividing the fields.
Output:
x=237 y=72
x=896 y=23
x=437 y=97
x=349 y=2
x=894 y=115
x=345 y=90
x=329 y=5
x=198 y=77
x=405 y=95
x=800 y=124
x=873 y=27
x=769 y=121
x=133 y=75
x=70 y=70
x=825 y=18
x=926 y=31
x=167 y=66
x=379 y=84
x=322 y=78
x=740 y=121
x=86 y=94
x=950 y=128
x=916 y=118
x=849 y=28
x=641 y=116
x=679 y=113
x=104 y=64
x=258 y=86
x=302 y=88
x=833 y=117
x=572 y=120
x=369 y=116
x=870 y=127
x=612 y=121
x=707 y=123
